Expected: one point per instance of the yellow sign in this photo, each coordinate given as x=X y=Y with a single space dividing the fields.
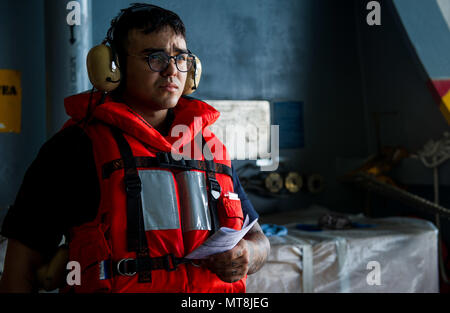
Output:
x=445 y=107
x=10 y=101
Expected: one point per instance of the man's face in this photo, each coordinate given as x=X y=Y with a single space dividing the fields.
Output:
x=154 y=90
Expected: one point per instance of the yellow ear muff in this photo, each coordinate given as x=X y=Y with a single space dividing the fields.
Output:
x=193 y=77
x=103 y=73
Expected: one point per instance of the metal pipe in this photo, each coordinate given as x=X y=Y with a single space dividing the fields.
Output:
x=68 y=38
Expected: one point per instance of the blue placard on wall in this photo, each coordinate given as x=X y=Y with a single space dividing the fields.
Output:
x=289 y=115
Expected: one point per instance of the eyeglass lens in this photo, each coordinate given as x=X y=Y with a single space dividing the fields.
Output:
x=159 y=61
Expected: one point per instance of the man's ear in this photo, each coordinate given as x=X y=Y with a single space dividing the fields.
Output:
x=103 y=68
x=193 y=77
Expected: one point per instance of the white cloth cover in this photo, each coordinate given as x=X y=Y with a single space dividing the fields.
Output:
x=337 y=260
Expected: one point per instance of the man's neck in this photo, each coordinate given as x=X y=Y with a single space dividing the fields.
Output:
x=156 y=118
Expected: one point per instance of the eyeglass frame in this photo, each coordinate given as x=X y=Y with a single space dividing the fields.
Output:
x=169 y=57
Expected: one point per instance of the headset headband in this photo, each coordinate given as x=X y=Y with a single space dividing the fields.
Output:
x=136 y=7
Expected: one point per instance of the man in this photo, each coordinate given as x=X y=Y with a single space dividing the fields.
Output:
x=128 y=236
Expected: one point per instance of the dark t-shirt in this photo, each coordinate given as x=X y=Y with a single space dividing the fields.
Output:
x=61 y=190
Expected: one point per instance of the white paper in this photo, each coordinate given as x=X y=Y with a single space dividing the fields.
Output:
x=223 y=240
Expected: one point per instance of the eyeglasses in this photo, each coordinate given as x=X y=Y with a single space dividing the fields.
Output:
x=159 y=61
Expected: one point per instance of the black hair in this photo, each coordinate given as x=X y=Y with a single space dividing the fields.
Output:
x=145 y=17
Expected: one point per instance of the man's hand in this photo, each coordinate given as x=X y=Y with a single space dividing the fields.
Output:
x=232 y=265
x=21 y=264
x=247 y=257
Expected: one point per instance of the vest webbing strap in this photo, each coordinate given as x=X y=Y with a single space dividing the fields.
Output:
x=166 y=160
x=213 y=186
x=136 y=238
x=131 y=267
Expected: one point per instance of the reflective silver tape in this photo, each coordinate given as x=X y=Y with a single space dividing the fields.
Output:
x=193 y=201
x=159 y=202
x=105 y=269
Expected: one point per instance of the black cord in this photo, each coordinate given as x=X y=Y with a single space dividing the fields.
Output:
x=90 y=109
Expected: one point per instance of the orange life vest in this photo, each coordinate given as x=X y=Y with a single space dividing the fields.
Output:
x=173 y=199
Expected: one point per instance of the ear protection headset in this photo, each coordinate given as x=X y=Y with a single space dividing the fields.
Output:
x=103 y=62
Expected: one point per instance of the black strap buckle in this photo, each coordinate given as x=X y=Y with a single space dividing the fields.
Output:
x=126 y=267
x=182 y=163
x=133 y=184
x=177 y=162
x=163 y=158
x=170 y=263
